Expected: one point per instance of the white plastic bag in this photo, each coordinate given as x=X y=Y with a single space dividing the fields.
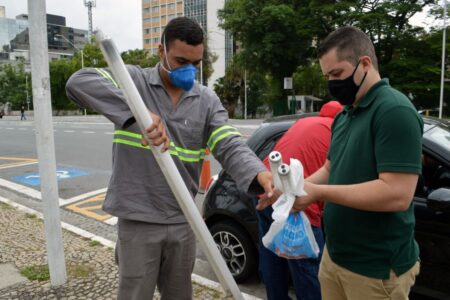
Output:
x=290 y=234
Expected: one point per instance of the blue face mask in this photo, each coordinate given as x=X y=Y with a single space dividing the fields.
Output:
x=182 y=77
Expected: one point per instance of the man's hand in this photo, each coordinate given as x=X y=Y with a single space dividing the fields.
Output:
x=156 y=134
x=265 y=201
x=313 y=195
x=265 y=180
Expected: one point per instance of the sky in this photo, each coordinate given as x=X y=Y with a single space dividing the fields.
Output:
x=119 y=19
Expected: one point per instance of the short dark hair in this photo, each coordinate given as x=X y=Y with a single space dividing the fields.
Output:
x=350 y=43
x=183 y=29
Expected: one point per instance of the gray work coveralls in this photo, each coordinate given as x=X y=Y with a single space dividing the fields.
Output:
x=155 y=243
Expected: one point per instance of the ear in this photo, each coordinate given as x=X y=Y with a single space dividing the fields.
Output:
x=161 y=51
x=366 y=62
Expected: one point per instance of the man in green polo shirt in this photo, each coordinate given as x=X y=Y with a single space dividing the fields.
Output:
x=369 y=178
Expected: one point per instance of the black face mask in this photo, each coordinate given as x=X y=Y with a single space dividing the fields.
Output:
x=345 y=90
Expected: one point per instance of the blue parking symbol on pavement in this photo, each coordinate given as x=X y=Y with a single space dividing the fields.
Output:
x=34 y=179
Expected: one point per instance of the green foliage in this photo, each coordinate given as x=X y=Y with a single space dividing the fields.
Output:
x=94 y=243
x=140 y=57
x=13 y=85
x=309 y=80
x=39 y=272
x=278 y=38
x=228 y=88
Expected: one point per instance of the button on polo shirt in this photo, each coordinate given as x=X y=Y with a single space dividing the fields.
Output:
x=382 y=134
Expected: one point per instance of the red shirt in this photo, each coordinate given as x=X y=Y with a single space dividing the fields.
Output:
x=308 y=141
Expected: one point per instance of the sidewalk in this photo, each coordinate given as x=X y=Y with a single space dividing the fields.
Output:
x=92 y=272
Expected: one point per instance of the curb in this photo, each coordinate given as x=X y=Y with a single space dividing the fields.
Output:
x=108 y=243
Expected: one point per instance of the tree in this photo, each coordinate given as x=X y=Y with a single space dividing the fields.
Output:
x=278 y=36
x=140 y=57
x=228 y=89
x=13 y=84
x=272 y=41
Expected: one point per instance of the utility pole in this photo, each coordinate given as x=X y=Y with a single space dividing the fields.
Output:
x=245 y=94
x=45 y=140
x=89 y=4
x=444 y=41
x=26 y=90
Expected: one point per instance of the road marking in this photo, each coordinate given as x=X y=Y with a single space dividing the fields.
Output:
x=21 y=189
x=82 y=196
x=110 y=133
x=69 y=130
x=62 y=173
x=18 y=162
x=91 y=208
x=90 y=132
x=9 y=128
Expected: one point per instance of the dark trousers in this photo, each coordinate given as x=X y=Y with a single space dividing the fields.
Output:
x=275 y=270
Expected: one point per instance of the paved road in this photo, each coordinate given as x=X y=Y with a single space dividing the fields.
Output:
x=83 y=154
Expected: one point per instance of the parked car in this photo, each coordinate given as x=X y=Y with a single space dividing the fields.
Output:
x=231 y=219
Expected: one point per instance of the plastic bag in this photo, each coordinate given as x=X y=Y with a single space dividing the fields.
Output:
x=290 y=234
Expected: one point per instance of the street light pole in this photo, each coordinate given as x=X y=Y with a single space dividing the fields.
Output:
x=26 y=90
x=441 y=97
x=245 y=95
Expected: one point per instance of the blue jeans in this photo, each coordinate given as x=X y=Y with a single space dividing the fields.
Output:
x=274 y=270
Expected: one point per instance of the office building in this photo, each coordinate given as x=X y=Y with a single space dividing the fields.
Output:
x=156 y=14
x=15 y=42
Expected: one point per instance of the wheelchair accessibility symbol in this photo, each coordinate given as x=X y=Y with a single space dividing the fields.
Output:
x=34 y=179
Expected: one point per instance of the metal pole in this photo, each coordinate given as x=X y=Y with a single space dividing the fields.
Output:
x=201 y=72
x=167 y=165
x=82 y=66
x=441 y=96
x=245 y=94
x=26 y=90
x=45 y=141
x=82 y=58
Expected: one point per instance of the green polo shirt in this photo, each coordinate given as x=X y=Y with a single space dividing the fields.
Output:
x=382 y=134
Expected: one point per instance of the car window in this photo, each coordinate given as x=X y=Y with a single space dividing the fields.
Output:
x=268 y=146
x=440 y=136
x=434 y=174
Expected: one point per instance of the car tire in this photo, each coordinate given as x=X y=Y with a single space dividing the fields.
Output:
x=236 y=248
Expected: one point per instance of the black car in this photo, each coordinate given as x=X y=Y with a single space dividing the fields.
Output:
x=231 y=219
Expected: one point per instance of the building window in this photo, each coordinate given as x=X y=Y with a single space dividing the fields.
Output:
x=163 y=6
x=147 y=41
x=171 y=6
x=146 y=10
x=172 y=16
x=155 y=9
x=147 y=30
x=147 y=20
x=155 y=29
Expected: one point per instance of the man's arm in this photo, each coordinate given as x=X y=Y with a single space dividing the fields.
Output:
x=232 y=152
x=97 y=90
x=321 y=175
x=390 y=192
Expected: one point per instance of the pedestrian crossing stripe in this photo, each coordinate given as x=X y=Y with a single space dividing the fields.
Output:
x=91 y=207
x=12 y=162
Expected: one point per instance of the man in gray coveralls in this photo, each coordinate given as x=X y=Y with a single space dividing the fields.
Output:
x=156 y=245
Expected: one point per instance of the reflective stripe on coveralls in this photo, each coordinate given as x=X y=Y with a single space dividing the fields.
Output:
x=134 y=140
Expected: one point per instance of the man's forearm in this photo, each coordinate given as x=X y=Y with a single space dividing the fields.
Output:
x=320 y=176
x=376 y=195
